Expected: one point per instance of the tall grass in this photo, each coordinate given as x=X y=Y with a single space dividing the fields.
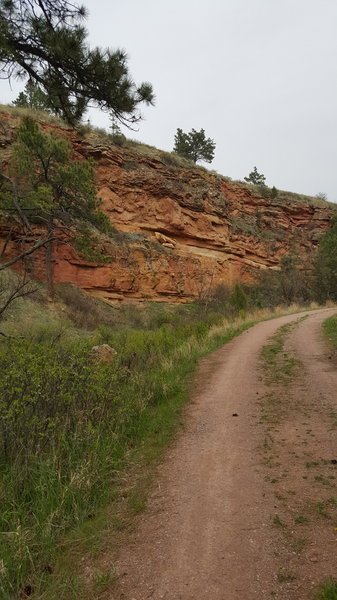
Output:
x=67 y=425
x=39 y=115
x=327 y=590
x=330 y=330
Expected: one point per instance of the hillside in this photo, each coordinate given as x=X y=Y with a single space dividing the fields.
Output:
x=179 y=229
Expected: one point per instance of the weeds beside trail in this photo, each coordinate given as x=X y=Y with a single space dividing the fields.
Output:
x=327 y=590
x=70 y=429
x=330 y=330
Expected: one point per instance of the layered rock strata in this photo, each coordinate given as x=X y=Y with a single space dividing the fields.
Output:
x=180 y=231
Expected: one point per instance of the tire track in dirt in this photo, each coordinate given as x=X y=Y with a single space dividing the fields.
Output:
x=299 y=464
x=208 y=531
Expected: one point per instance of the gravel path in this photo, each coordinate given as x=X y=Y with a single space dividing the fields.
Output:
x=208 y=530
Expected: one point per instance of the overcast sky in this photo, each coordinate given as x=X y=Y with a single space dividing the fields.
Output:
x=259 y=76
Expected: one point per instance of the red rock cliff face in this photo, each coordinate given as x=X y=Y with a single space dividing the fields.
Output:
x=183 y=230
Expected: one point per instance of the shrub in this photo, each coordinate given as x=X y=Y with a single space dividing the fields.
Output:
x=118 y=139
x=238 y=299
x=83 y=310
x=326 y=265
x=86 y=246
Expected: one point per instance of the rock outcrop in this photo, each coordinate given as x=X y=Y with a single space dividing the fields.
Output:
x=179 y=230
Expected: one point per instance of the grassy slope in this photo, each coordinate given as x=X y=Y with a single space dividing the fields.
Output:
x=72 y=438
x=69 y=427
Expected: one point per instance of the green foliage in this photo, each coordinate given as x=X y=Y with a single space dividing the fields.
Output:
x=274 y=192
x=49 y=181
x=330 y=330
x=292 y=283
x=32 y=97
x=50 y=184
x=326 y=265
x=290 y=280
x=45 y=39
x=327 y=590
x=255 y=177
x=67 y=426
x=49 y=187
x=85 y=244
x=238 y=298
x=194 y=145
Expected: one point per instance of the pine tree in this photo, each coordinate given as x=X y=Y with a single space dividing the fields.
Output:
x=32 y=97
x=46 y=41
x=256 y=177
x=194 y=145
x=50 y=187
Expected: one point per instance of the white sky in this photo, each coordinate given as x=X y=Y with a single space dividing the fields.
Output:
x=258 y=75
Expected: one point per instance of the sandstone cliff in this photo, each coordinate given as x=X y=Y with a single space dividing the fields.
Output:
x=179 y=230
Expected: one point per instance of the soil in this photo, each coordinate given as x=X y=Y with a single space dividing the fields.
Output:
x=245 y=502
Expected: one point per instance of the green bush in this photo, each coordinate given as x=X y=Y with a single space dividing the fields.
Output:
x=326 y=265
x=66 y=426
x=85 y=245
x=238 y=299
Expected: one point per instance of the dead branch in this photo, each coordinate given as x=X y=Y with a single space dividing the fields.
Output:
x=39 y=244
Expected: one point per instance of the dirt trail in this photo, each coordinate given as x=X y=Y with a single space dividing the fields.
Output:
x=220 y=522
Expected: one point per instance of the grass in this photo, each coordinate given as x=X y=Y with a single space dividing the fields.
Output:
x=278 y=521
x=39 y=115
x=300 y=519
x=327 y=590
x=277 y=365
x=73 y=438
x=330 y=330
x=284 y=196
x=102 y=581
x=67 y=437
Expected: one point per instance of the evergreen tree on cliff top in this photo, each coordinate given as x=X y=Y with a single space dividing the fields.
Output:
x=194 y=145
x=256 y=177
x=32 y=97
x=45 y=41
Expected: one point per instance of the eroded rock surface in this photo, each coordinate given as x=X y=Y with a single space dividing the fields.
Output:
x=180 y=231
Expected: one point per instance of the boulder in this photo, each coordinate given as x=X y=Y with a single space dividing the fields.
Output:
x=102 y=354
